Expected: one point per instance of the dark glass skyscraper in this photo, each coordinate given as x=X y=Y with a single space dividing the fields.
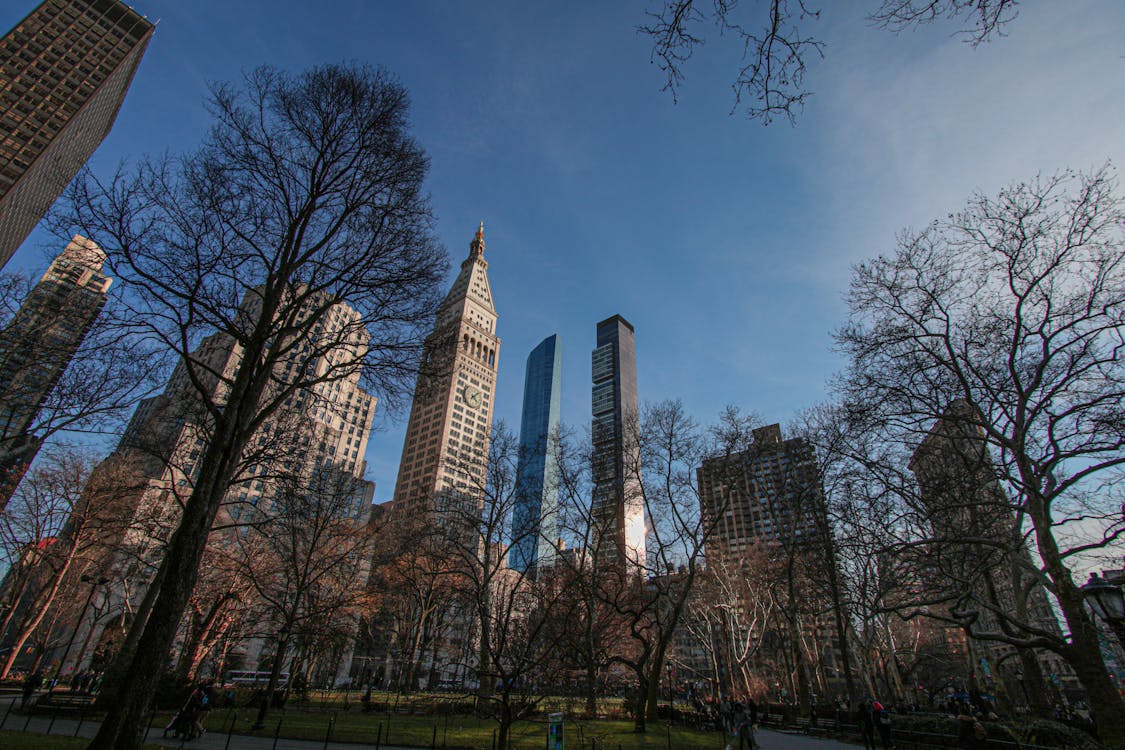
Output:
x=535 y=518
x=64 y=71
x=617 y=508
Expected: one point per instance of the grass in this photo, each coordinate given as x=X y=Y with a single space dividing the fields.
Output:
x=459 y=731
x=311 y=721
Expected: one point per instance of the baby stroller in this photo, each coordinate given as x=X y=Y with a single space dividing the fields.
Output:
x=182 y=725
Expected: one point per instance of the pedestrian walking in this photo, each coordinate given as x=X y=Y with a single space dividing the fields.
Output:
x=971 y=734
x=202 y=701
x=33 y=682
x=866 y=719
x=883 y=724
x=187 y=724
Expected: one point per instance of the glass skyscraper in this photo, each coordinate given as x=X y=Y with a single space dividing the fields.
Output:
x=617 y=508
x=535 y=517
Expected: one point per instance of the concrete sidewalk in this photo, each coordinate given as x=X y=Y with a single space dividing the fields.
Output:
x=771 y=740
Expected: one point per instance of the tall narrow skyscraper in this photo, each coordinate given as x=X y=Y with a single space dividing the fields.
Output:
x=39 y=343
x=535 y=517
x=64 y=71
x=617 y=507
x=445 y=452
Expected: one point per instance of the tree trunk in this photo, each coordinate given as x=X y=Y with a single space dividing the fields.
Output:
x=640 y=701
x=505 y=720
x=271 y=686
x=1083 y=653
x=897 y=684
x=197 y=636
x=591 y=689
x=836 y=588
x=15 y=598
x=804 y=699
x=86 y=641
x=1085 y=656
x=484 y=666
x=115 y=673
x=1035 y=685
x=125 y=724
x=652 y=698
x=414 y=658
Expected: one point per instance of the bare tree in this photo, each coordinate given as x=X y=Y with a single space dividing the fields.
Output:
x=649 y=602
x=995 y=337
x=58 y=517
x=728 y=614
x=597 y=631
x=67 y=365
x=306 y=194
x=306 y=563
x=770 y=81
x=415 y=586
x=515 y=609
x=222 y=594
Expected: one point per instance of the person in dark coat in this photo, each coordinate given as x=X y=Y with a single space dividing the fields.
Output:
x=971 y=734
x=746 y=739
x=866 y=720
x=33 y=682
x=883 y=724
x=202 y=700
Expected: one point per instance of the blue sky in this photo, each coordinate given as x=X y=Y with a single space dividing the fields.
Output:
x=726 y=244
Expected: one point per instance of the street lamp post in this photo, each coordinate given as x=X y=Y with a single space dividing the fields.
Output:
x=671 y=690
x=94 y=583
x=1108 y=602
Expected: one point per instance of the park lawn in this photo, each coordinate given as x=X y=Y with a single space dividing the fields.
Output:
x=32 y=741
x=458 y=731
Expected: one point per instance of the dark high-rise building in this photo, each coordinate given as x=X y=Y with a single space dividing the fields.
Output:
x=768 y=494
x=535 y=517
x=37 y=345
x=617 y=507
x=979 y=561
x=64 y=71
x=767 y=508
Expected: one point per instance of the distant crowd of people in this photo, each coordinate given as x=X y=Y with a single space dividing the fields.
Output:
x=81 y=683
x=739 y=719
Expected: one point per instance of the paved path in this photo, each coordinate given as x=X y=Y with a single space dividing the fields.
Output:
x=215 y=740
x=771 y=740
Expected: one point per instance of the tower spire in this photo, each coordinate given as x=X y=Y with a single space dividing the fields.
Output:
x=476 y=247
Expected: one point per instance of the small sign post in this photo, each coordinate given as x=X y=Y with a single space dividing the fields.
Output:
x=555 y=732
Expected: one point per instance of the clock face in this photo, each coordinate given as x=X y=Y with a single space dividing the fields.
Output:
x=473 y=397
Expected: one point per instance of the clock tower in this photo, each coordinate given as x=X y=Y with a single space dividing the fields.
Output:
x=445 y=454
